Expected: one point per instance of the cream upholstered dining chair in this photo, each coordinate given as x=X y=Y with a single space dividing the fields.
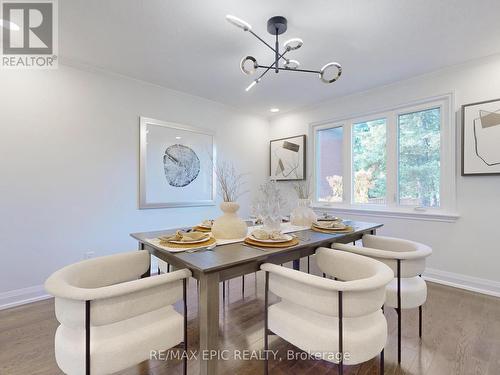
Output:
x=407 y=259
x=340 y=320
x=110 y=319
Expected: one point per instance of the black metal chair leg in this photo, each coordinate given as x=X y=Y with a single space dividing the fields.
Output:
x=184 y=292
x=159 y=271
x=185 y=364
x=223 y=292
x=341 y=334
x=308 y=265
x=382 y=352
x=87 y=337
x=399 y=310
x=266 y=327
x=168 y=267
x=243 y=286
x=420 y=321
x=382 y=362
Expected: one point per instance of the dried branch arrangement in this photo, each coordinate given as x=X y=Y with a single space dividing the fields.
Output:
x=230 y=182
x=272 y=194
x=303 y=189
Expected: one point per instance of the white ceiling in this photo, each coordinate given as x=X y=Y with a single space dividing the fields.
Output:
x=188 y=46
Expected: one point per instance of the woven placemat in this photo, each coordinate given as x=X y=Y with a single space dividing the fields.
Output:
x=294 y=241
x=201 y=229
x=329 y=231
x=208 y=242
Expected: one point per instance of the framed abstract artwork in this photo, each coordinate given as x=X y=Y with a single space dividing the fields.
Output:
x=176 y=165
x=288 y=158
x=481 y=138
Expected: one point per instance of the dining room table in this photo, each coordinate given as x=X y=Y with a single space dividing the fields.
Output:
x=227 y=261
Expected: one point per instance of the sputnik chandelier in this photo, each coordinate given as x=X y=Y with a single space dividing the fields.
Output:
x=276 y=26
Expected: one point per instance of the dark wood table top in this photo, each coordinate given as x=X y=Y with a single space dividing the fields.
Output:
x=230 y=255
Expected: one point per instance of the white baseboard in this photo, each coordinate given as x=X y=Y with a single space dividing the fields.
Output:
x=474 y=284
x=22 y=296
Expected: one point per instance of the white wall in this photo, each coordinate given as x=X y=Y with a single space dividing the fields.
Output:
x=467 y=250
x=69 y=166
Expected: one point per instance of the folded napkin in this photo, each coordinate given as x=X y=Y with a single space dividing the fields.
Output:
x=329 y=218
x=207 y=223
x=329 y=224
x=262 y=234
x=185 y=237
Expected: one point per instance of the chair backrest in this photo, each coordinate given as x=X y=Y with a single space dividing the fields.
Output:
x=363 y=291
x=106 y=311
x=106 y=270
x=71 y=282
x=412 y=254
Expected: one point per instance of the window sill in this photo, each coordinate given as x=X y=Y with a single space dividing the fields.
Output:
x=401 y=213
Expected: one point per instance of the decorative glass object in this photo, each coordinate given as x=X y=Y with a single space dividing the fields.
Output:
x=271 y=205
x=272 y=217
x=303 y=215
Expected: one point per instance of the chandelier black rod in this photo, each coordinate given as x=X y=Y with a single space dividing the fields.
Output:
x=268 y=68
x=276 y=59
x=289 y=70
x=263 y=41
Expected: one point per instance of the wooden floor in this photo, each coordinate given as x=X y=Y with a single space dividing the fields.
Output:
x=461 y=336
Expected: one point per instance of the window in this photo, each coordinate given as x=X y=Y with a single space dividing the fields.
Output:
x=369 y=162
x=388 y=161
x=329 y=174
x=419 y=158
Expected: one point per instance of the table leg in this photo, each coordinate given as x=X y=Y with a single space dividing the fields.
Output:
x=148 y=271
x=296 y=264
x=208 y=312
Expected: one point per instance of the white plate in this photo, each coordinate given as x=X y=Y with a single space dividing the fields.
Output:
x=190 y=242
x=343 y=227
x=286 y=239
x=156 y=242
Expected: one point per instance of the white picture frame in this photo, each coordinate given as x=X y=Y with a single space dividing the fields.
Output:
x=177 y=165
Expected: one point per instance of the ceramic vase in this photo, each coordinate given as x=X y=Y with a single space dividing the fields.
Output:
x=303 y=215
x=229 y=225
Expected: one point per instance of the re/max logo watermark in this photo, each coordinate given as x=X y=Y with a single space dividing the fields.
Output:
x=29 y=34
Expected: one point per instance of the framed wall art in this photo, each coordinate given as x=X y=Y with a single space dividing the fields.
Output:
x=288 y=158
x=481 y=138
x=176 y=165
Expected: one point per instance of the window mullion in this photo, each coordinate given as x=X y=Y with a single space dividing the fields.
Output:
x=347 y=164
x=392 y=159
x=447 y=183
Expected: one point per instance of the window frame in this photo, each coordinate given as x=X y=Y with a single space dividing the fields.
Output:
x=344 y=150
x=447 y=209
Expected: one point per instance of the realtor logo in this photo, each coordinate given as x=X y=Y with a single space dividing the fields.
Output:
x=29 y=34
